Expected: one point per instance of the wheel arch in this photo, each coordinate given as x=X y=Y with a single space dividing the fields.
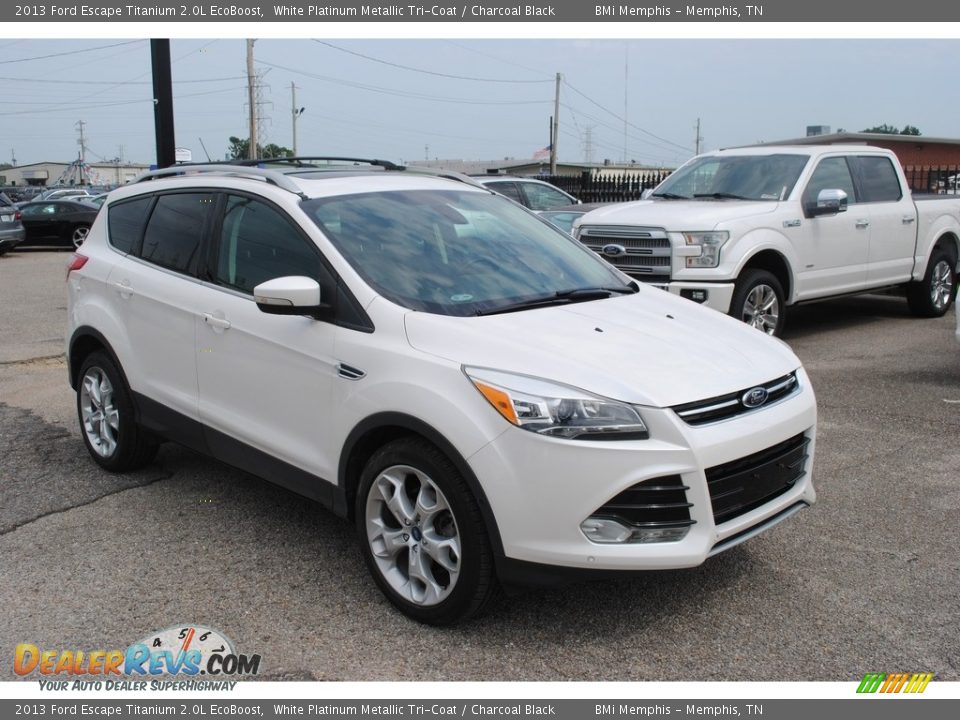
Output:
x=377 y=430
x=774 y=262
x=85 y=341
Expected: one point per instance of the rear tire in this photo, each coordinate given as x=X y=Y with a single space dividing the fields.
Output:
x=107 y=420
x=932 y=296
x=759 y=301
x=422 y=534
x=79 y=234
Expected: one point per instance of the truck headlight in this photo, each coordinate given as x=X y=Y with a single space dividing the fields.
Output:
x=709 y=244
x=549 y=408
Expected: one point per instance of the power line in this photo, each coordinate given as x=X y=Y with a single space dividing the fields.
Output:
x=114 y=82
x=426 y=72
x=624 y=120
x=400 y=93
x=71 y=52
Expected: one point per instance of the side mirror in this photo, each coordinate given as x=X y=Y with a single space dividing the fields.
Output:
x=829 y=202
x=291 y=295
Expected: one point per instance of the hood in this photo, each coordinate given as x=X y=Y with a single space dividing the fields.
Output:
x=677 y=215
x=650 y=348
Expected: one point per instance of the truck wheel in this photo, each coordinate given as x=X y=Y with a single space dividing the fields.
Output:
x=758 y=300
x=110 y=431
x=931 y=297
x=422 y=534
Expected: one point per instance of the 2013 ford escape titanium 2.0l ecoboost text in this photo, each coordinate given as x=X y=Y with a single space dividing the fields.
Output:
x=489 y=401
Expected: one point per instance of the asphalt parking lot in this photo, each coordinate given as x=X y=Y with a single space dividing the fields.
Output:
x=866 y=581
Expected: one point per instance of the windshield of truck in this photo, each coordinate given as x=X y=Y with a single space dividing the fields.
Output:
x=735 y=177
x=460 y=252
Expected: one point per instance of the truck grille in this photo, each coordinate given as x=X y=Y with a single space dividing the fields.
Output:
x=740 y=486
x=723 y=407
x=641 y=252
x=660 y=502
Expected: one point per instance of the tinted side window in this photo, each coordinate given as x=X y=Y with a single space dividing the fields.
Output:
x=879 y=179
x=175 y=229
x=257 y=243
x=541 y=197
x=831 y=174
x=125 y=223
x=507 y=188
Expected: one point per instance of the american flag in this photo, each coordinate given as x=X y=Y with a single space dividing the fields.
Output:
x=542 y=154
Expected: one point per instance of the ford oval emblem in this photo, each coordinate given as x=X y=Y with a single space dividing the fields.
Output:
x=613 y=250
x=754 y=397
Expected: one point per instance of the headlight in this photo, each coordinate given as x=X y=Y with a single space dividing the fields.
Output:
x=557 y=410
x=709 y=244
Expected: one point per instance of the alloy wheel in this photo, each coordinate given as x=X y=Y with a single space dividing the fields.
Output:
x=413 y=535
x=761 y=309
x=99 y=414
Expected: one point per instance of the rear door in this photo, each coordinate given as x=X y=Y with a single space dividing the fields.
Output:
x=893 y=221
x=158 y=296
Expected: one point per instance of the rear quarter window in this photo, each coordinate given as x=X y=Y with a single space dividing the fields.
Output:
x=125 y=223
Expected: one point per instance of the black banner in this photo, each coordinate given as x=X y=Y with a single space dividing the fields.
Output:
x=457 y=11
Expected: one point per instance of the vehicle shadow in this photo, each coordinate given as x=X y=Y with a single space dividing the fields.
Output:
x=842 y=314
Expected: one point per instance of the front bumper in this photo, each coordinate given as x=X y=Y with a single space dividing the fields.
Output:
x=541 y=489
x=716 y=296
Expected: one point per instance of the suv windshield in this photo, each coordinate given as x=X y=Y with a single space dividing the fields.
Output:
x=737 y=177
x=459 y=252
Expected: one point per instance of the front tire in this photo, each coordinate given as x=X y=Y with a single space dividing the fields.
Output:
x=759 y=301
x=107 y=419
x=422 y=534
x=932 y=296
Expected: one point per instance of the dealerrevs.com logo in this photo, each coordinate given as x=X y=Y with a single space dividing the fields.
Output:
x=191 y=650
x=895 y=682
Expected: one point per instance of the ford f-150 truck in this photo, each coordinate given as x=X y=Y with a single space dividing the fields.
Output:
x=752 y=231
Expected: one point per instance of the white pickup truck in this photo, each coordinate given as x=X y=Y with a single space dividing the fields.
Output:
x=752 y=231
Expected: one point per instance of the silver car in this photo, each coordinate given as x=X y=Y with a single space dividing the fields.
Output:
x=11 y=229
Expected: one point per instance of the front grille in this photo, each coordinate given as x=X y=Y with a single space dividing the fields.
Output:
x=722 y=407
x=646 y=252
x=740 y=486
x=656 y=503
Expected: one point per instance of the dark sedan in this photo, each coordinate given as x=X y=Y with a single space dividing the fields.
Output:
x=57 y=222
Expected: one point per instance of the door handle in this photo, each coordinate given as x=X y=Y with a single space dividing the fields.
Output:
x=215 y=322
x=861 y=224
x=123 y=288
x=907 y=219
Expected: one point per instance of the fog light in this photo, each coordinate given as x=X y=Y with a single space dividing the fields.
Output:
x=609 y=531
x=698 y=296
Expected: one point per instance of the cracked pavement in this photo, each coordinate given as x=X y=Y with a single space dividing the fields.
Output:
x=867 y=580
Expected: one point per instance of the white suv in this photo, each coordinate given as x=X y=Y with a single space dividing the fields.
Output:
x=485 y=398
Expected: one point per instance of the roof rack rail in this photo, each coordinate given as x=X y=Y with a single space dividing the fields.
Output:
x=269 y=176
x=307 y=161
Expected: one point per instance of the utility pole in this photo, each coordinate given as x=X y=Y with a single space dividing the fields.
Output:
x=626 y=85
x=296 y=114
x=556 y=125
x=82 y=155
x=163 y=103
x=13 y=157
x=698 y=139
x=251 y=97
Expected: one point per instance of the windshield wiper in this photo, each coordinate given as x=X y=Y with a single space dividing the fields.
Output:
x=563 y=297
x=670 y=196
x=721 y=196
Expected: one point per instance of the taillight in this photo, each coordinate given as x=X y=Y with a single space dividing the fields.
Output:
x=77 y=261
x=17 y=215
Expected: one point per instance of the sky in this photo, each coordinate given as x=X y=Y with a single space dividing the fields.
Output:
x=471 y=99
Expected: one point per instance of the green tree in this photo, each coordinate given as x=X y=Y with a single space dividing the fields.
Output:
x=240 y=150
x=892 y=130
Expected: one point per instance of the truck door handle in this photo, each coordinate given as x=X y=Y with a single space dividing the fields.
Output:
x=861 y=224
x=216 y=322
x=907 y=219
